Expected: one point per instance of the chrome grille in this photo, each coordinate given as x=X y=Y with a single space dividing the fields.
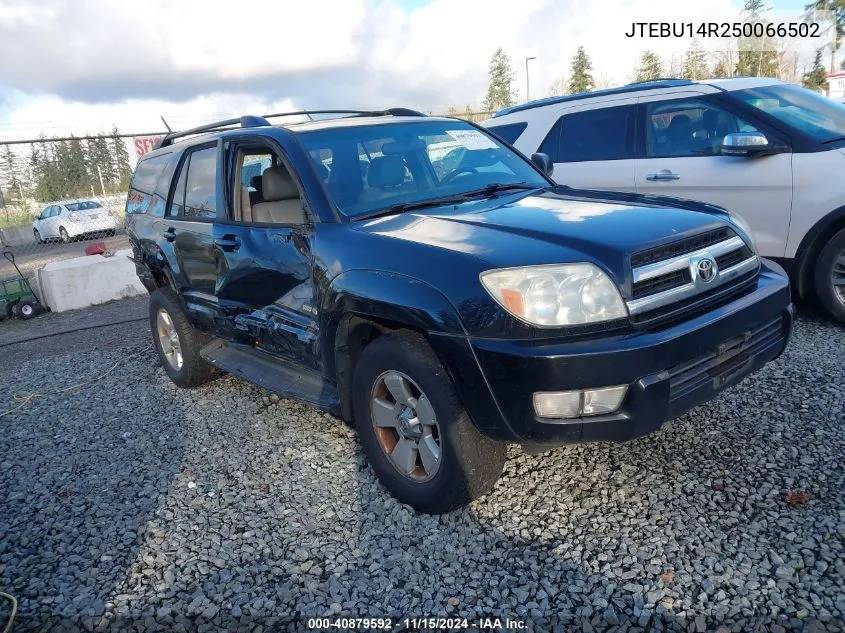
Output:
x=691 y=273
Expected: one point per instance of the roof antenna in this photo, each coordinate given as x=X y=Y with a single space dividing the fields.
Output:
x=165 y=123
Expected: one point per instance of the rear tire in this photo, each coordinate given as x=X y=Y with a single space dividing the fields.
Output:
x=178 y=344
x=453 y=463
x=830 y=268
x=10 y=308
x=63 y=235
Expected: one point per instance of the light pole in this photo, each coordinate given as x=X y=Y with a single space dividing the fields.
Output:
x=527 y=82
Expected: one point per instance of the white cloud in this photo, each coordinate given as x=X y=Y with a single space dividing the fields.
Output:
x=83 y=65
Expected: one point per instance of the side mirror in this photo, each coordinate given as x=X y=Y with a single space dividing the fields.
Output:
x=745 y=144
x=543 y=163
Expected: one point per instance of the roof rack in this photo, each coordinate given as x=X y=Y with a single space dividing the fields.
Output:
x=643 y=85
x=650 y=81
x=249 y=121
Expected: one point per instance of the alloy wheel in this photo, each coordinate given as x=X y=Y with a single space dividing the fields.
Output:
x=837 y=277
x=406 y=426
x=168 y=338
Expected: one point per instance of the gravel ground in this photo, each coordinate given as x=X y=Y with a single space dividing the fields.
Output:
x=129 y=504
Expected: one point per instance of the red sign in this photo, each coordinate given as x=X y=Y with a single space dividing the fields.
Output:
x=144 y=144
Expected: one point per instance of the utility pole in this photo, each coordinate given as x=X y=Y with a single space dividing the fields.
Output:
x=527 y=82
x=102 y=186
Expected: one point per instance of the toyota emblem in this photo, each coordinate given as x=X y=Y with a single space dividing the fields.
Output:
x=707 y=269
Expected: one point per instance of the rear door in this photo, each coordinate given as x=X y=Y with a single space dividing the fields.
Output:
x=188 y=227
x=264 y=282
x=593 y=147
x=679 y=156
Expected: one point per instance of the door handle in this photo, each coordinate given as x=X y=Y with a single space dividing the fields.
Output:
x=663 y=175
x=170 y=234
x=228 y=242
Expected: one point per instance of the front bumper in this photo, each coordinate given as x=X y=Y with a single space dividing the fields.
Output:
x=667 y=371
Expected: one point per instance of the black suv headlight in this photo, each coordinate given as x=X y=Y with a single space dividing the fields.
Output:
x=556 y=295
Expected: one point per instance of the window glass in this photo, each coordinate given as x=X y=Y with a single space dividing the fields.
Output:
x=590 y=135
x=201 y=184
x=688 y=128
x=509 y=132
x=812 y=113
x=177 y=206
x=253 y=167
x=372 y=167
x=143 y=183
x=83 y=206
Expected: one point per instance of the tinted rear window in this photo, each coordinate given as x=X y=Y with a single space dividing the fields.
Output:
x=509 y=132
x=144 y=183
x=590 y=135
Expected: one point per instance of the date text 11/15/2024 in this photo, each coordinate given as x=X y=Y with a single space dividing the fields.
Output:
x=415 y=624
x=812 y=30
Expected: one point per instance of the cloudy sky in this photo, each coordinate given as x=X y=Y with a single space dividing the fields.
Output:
x=83 y=65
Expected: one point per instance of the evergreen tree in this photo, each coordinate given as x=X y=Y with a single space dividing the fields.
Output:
x=100 y=162
x=837 y=7
x=650 y=67
x=581 y=78
x=122 y=168
x=695 y=62
x=499 y=92
x=814 y=80
x=757 y=55
x=10 y=175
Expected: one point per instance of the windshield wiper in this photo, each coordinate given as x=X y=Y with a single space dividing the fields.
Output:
x=834 y=139
x=460 y=198
x=500 y=186
x=401 y=207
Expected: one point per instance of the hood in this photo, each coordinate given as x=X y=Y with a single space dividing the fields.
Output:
x=553 y=227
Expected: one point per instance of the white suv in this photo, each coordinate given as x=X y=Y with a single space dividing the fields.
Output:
x=771 y=152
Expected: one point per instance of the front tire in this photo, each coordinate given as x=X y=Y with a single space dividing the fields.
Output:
x=830 y=276
x=177 y=343
x=63 y=235
x=37 y=235
x=416 y=434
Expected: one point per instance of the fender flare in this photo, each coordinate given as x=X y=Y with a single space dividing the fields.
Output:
x=810 y=246
x=382 y=297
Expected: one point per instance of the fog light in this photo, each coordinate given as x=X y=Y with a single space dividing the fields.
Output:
x=557 y=404
x=575 y=404
x=606 y=400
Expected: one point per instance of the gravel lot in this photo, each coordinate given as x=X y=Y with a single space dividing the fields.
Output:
x=129 y=504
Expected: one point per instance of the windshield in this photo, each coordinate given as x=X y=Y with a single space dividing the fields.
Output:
x=372 y=167
x=82 y=206
x=810 y=112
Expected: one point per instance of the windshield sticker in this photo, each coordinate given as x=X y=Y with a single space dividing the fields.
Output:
x=472 y=139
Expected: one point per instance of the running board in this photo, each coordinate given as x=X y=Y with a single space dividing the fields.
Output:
x=274 y=374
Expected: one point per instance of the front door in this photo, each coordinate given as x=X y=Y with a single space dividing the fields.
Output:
x=593 y=148
x=264 y=283
x=680 y=157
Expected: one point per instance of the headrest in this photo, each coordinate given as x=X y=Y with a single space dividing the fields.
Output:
x=680 y=119
x=386 y=171
x=277 y=184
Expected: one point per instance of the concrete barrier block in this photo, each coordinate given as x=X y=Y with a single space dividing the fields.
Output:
x=85 y=281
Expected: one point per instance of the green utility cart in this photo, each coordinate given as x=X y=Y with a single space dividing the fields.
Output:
x=17 y=299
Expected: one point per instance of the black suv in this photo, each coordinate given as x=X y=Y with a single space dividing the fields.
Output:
x=446 y=311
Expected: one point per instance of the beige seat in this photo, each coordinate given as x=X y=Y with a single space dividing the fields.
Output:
x=281 y=199
x=246 y=206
